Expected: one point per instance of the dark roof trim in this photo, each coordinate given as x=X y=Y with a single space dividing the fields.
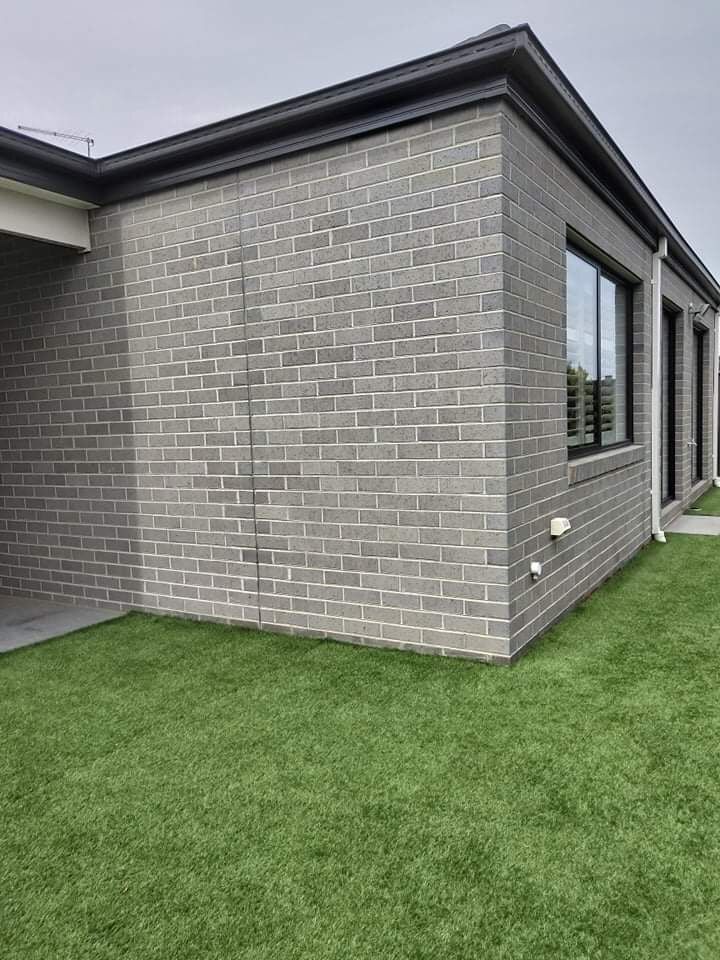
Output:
x=509 y=63
x=568 y=149
x=691 y=279
x=251 y=151
x=413 y=89
x=423 y=77
x=39 y=164
x=577 y=133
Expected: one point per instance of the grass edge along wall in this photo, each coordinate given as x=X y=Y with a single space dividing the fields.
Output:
x=327 y=394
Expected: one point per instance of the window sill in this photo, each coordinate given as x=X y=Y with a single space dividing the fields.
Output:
x=598 y=464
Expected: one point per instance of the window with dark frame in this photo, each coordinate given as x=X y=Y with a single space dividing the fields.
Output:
x=599 y=356
x=697 y=389
x=668 y=405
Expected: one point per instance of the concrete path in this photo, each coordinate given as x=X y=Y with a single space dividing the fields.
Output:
x=705 y=526
x=23 y=622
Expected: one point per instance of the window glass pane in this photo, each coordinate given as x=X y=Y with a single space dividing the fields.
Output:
x=613 y=361
x=581 y=349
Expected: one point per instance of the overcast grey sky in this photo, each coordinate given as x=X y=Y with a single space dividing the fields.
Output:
x=127 y=72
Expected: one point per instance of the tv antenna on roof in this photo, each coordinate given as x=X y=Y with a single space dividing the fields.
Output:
x=88 y=141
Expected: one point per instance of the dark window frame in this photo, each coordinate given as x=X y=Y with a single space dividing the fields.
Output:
x=673 y=319
x=700 y=340
x=601 y=270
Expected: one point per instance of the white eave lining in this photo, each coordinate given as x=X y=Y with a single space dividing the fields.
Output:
x=17 y=187
x=37 y=214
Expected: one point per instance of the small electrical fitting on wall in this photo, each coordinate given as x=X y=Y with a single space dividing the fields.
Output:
x=535 y=569
x=559 y=526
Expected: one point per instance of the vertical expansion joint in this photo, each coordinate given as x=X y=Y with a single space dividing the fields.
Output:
x=251 y=439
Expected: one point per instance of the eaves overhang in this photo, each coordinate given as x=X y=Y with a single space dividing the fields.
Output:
x=511 y=64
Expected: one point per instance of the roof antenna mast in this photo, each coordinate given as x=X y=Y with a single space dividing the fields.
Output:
x=88 y=141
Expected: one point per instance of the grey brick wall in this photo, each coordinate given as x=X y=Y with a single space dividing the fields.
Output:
x=325 y=395
x=348 y=299
x=125 y=473
x=375 y=345
x=607 y=498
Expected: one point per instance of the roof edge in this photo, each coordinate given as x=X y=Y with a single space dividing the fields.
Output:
x=651 y=210
x=510 y=63
x=474 y=52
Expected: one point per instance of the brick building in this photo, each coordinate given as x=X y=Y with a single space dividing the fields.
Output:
x=334 y=366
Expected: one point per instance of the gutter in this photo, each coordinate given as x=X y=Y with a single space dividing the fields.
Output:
x=656 y=394
x=433 y=74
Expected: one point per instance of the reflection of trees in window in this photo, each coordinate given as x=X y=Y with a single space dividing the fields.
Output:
x=580 y=404
x=607 y=405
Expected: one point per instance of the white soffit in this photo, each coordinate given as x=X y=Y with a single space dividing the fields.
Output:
x=27 y=211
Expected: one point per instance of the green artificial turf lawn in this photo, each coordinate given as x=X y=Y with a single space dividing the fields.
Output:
x=176 y=790
x=708 y=504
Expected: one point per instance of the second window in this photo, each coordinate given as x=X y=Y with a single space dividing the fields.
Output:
x=599 y=318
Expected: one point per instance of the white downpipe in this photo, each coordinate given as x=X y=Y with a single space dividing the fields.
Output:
x=716 y=401
x=656 y=393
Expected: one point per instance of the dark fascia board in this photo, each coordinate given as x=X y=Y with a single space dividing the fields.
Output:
x=39 y=164
x=511 y=64
x=287 y=139
x=569 y=124
x=416 y=88
x=436 y=73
